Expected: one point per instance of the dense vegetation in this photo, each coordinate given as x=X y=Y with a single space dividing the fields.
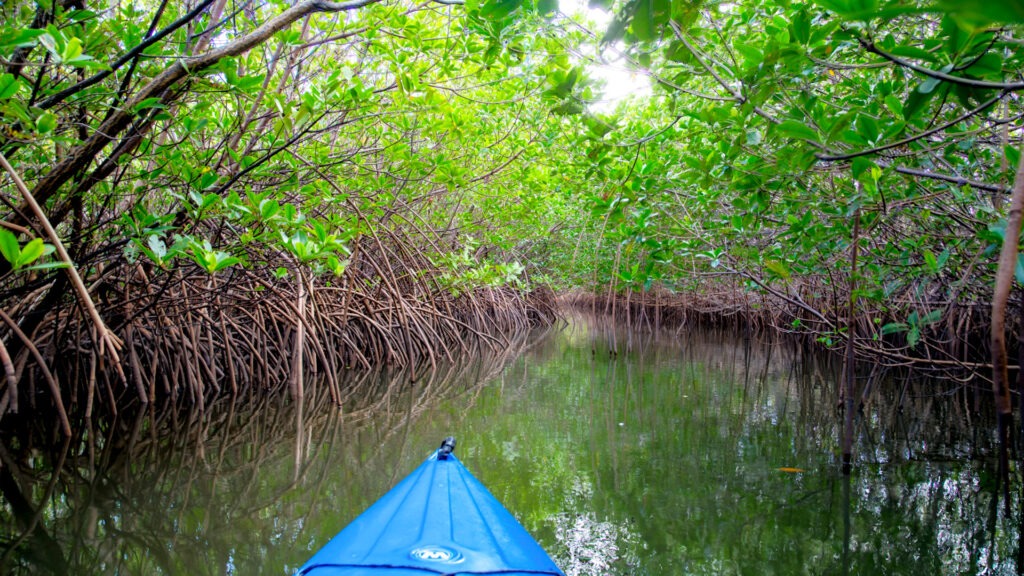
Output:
x=356 y=183
x=238 y=183
x=769 y=150
x=204 y=201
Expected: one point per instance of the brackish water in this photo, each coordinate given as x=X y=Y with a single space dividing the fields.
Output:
x=697 y=453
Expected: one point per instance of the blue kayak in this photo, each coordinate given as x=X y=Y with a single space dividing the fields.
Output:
x=438 y=520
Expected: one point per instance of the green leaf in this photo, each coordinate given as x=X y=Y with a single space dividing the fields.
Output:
x=9 y=246
x=568 y=108
x=978 y=13
x=801 y=27
x=9 y=86
x=678 y=52
x=25 y=38
x=840 y=124
x=916 y=101
x=868 y=128
x=72 y=50
x=221 y=264
x=88 y=62
x=779 y=268
x=46 y=123
x=931 y=82
x=546 y=7
x=564 y=84
x=597 y=126
x=147 y=103
x=80 y=15
x=498 y=9
x=269 y=208
x=866 y=10
x=930 y=261
x=838 y=6
x=912 y=52
x=49 y=266
x=31 y=252
x=794 y=129
x=211 y=198
x=862 y=164
x=913 y=336
x=1012 y=156
x=750 y=53
x=642 y=24
x=990 y=65
x=894 y=327
x=894 y=105
x=928 y=85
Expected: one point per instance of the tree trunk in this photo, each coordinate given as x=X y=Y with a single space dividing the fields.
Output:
x=1000 y=297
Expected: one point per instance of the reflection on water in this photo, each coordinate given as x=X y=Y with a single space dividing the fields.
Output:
x=587 y=546
x=702 y=453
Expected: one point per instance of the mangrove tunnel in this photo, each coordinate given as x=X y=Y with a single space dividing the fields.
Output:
x=703 y=286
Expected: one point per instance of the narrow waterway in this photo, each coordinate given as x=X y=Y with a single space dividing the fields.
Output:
x=690 y=453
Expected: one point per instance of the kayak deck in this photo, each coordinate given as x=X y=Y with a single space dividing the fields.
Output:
x=383 y=570
x=438 y=520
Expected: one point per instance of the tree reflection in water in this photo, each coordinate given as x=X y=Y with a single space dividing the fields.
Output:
x=698 y=453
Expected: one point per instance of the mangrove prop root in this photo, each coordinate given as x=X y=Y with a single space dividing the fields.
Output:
x=808 y=314
x=193 y=337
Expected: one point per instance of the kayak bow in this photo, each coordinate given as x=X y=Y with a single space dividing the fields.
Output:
x=438 y=520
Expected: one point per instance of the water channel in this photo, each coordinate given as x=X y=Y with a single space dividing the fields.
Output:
x=700 y=452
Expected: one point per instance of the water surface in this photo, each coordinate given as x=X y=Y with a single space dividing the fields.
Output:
x=691 y=453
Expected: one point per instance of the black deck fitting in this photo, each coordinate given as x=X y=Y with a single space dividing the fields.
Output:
x=446 y=448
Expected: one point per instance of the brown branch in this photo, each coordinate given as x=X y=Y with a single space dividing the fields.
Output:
x=1001 y=293
x=1008 y=86
x=1000 y=297
x=59 y=97
x=106 y=339
x=65 y=425
x=985 y=106
x=82 y=155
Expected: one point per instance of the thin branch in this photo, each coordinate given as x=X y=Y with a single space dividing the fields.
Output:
x=985 y=106
x=106 y=339
x=82 y=155
x=703 y=62
x=59 y=97
x=947 y=178
x=651 y=136
x=65 y=425
x=1009 y=87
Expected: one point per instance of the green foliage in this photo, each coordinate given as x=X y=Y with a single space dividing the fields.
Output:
x=203 y=254
x=774 y=123
x=462 y=272
x=771 y=125
x=294 y=151
x=19 y=256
